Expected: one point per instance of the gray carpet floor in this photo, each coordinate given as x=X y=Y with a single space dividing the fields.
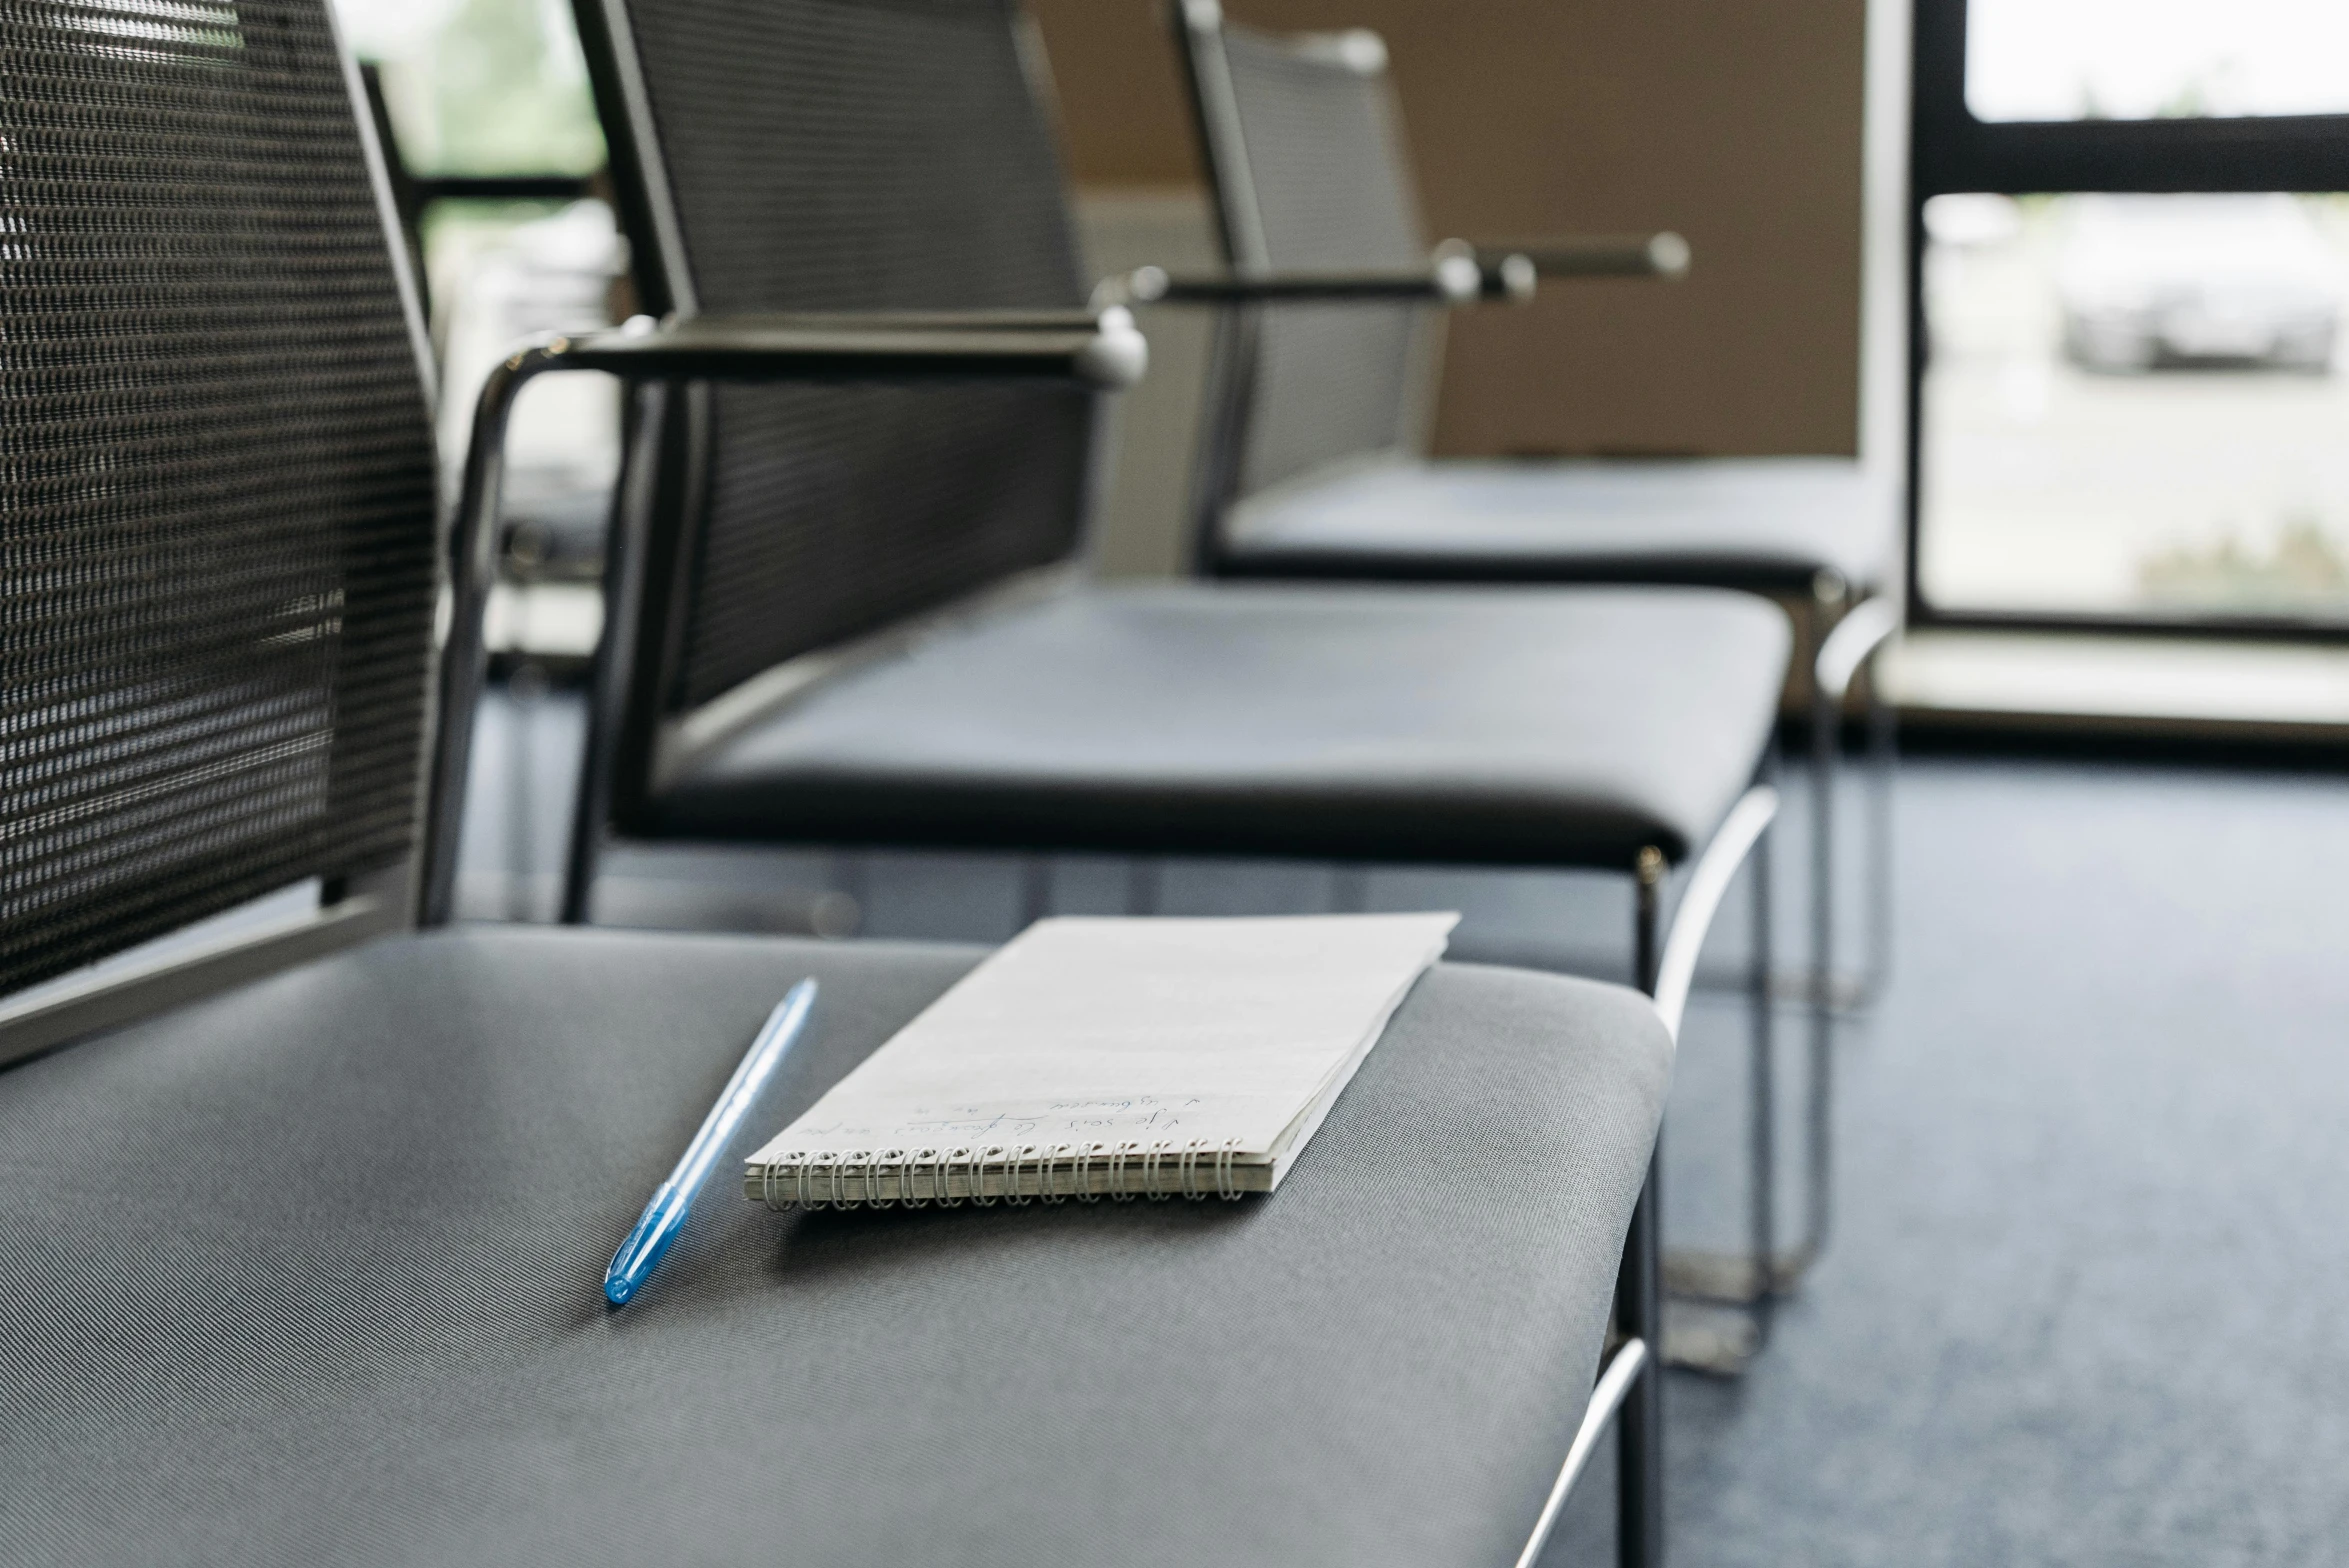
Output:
x=2082 y=1300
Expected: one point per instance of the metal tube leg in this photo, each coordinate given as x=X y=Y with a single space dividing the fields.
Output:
x=1827 y=597
x=1825 y=743
x=1819 y=1133
x=1646 y=919
x=615 y=662
x=1639 y=1302
x=1639 y=1426
x=1884 y=759
x=1763 y=1134
x=523 y=689
x=1824 y=724
x=1349 y=891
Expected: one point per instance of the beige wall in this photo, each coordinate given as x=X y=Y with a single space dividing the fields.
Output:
x=1737 y=122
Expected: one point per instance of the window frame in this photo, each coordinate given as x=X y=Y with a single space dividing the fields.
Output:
x=1952 y=153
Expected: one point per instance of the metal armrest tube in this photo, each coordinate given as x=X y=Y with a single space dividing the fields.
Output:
x=1664 y=255
x=1855 y=637
x=1100 y=350
x=1096 y=349
x=1631 y=1359
x=1500 y=274
x=1449 y=279
x=1715 y=870
x=1512 y=276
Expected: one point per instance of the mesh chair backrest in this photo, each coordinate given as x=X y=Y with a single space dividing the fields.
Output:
x=821 y=155
x=1318 y=128
x=217 y=565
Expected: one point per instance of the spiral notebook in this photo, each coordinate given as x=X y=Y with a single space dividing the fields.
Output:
x=1110 y=1057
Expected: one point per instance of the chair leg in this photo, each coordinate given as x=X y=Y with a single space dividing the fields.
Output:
x=1826 y=721
x=1856 y=646
x=524 y=690
x=1639 y=1302
x=584 y=842
x=1647 y=918
x=1725 y=1298
x=1820 y=1119
x=1856 y=643
x=1349 y=889
x=1639 y=1426
x=1762 y=1134
x=1884 y=762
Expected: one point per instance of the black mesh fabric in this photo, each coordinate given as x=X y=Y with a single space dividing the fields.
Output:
x=862 y=155
x=1325 y=152
x=216 y=477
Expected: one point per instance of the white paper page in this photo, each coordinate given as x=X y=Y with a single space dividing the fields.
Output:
x=1085 y=1031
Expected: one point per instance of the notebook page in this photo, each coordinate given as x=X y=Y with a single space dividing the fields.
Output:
x=1086 y=1031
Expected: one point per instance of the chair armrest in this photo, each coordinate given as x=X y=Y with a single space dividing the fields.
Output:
x=1853 y=642
x=1103 y=351
x=1732 y=841
x=1664 y=255
x=1454 y=275
x=1458 y=273
x=1100 y=349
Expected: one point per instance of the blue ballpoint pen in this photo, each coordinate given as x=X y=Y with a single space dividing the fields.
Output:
x=633 y=1264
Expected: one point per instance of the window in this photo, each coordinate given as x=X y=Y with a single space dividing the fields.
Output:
x=2155 y=59
x=2133 y=405
x=481 y=86
x=491 y=96
x=2130 y=396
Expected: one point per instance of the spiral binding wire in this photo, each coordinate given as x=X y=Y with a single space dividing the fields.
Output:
x=853 y=1178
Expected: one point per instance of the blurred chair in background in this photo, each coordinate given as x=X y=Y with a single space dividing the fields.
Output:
x=1311 y=469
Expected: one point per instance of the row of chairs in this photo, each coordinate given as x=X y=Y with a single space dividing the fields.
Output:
x=847 y=606
x=911 y=661
x=1144 y=722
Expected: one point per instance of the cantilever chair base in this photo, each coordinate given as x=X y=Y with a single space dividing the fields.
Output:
x=1706 y=1339
x=309 y=1272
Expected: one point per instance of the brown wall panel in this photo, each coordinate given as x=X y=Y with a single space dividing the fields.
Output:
x=1737 y=122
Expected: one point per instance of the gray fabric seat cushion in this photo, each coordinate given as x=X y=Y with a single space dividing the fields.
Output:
x=309 y=1274
x=1766 y=524
x=1553 y=726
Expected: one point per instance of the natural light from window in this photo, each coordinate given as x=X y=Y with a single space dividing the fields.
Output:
x=2137 y=405
x=2155 y=59
x=480 y=86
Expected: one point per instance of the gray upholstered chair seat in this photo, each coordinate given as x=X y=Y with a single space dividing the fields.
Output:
x=309 y=1274
x=1767 y=524
x=1566 y=726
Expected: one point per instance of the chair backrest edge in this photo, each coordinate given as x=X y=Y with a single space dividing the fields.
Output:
x=659 y=519
x=1238 y=366
x=1231 y=361
x=129 y=985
